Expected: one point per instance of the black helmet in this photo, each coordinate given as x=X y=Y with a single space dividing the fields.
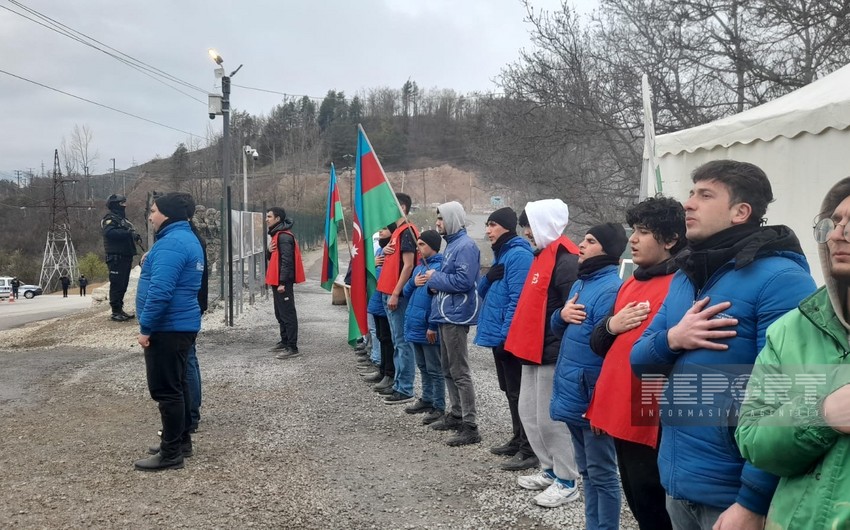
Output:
x=115 y=199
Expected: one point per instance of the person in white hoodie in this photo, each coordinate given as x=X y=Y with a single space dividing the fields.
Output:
x=530 y=338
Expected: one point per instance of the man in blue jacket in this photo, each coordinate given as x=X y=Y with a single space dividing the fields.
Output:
x=455 y=308
x=500 y=289
x=735 y=279
x=169 y=320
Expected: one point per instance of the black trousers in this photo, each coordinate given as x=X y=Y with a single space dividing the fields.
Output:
x=165 y=363
x=645 y=495
x=82 y=290
x=65 y=291
x=287 y=318
x=385 y=337
x=119 y=278
x=509 y=372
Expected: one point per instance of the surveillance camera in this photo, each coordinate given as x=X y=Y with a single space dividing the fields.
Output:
x=212 y=116
x=255 y=154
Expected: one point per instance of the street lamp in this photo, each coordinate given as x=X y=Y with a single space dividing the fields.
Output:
x=221 y=105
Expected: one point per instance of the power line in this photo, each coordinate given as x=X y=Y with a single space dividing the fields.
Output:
x=82 y=38
x=100 y=104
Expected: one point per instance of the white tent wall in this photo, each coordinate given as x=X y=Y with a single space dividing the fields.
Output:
x=801 y=171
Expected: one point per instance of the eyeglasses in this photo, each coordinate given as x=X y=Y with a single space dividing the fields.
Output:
x=824 y=228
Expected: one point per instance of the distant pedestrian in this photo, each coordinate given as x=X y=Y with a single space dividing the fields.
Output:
x=66 y=282
x=83 y=282
x=16 y=284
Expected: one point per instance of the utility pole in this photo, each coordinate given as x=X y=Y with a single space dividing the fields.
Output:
x=18 y=173
x=113 y=175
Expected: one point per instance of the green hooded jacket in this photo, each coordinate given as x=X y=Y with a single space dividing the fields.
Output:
x=780 y=430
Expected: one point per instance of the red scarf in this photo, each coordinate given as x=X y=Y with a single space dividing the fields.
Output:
x=273 y=272
x=528 y=328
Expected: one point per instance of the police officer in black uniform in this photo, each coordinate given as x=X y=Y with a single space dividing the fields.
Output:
x=119 y=243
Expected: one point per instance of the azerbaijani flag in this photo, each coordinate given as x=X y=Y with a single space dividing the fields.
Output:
x=375 y=206
x=330 y=253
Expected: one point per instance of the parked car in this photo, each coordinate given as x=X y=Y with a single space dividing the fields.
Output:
x=29 y=291
x=5 y=286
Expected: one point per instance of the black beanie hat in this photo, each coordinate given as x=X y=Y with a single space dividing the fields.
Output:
x=432 y=239
x=504 y=217
x=174 y=205
x=612 y=237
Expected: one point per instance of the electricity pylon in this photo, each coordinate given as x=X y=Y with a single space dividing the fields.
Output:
x=60 y=258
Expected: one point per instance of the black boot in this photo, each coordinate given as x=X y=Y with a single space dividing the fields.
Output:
x=158 y=463
x=448 y=422
x=468 y=435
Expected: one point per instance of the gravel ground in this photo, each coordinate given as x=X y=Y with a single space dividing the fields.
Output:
x=302 y=443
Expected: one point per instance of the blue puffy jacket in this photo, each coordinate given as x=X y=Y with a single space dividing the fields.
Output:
x=699 y=460
x=456 y=301
x=501 y=296
x=417 y=316
x=167 y=295
x=376 y=303
x=578 y=367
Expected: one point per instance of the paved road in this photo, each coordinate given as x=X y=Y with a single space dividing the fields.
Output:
x=23 y=311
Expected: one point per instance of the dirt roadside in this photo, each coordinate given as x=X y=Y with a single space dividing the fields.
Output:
x=302 y=443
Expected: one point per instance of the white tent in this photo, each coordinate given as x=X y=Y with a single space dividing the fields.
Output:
x=801 y=140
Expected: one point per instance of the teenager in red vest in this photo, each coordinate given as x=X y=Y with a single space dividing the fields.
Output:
x=285 y=269
x=530 y=338
x=399 y=261
x=616 y=407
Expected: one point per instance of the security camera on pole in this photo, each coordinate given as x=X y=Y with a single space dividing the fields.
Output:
x=221 y=105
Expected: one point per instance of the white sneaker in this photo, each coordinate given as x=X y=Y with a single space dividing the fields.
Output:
x=538 y=481
x=557 y=494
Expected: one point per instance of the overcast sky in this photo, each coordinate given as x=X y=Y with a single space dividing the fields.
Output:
x=300 y=47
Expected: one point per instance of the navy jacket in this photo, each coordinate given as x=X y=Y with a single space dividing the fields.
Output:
x=456 y=301
x=698 y=459
x=500 y=297
x=417 y=316
x=578 y=367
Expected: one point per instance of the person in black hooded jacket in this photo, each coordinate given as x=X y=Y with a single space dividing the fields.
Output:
x=119 y=245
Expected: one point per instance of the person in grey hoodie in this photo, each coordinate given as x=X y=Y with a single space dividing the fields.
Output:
x=455 y=309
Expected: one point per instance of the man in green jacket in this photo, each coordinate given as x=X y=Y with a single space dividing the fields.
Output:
x=795 y=421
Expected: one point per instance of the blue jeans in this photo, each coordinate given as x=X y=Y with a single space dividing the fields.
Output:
x=193 y=381
x=433 y=384
x=375 y=354
x=596 y=459
x=687 y=515
x=403 y=356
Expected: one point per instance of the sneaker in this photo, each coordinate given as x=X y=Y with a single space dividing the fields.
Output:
x=279 y=346
x=538 y=481
x=157 y=463
x=386 y=382
x=419 y=407
x=386 y=391
x=396 y=398
x=127 y=315
x=448 y=422
x=432 y=416
x=520 y=462
x=118 y=317
x=373 y=378
x=509 y=448
x=558 y=493
x=468 y=435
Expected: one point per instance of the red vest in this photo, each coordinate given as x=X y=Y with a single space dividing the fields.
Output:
x=392 y=262
x=528 y=328
x=616 y=403
x=273 y=272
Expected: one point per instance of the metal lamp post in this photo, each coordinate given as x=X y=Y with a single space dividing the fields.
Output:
x=221 y=105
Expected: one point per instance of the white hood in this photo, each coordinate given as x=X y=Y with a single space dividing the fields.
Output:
x=548 y=219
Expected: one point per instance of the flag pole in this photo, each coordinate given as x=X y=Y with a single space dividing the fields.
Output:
x=387 y=180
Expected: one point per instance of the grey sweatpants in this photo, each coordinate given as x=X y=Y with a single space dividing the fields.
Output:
x=550 y=440
x=454 y=356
